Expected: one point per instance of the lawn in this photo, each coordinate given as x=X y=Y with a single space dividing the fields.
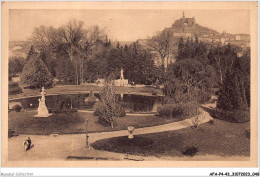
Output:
x=24 y=123
x=221 y=138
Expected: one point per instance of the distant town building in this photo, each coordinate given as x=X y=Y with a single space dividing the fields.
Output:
x=187 y=28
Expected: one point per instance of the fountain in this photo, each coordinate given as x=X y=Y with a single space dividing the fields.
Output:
x=42 y=109
x=121 y=81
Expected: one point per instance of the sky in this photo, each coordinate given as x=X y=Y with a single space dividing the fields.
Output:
x=126 y=25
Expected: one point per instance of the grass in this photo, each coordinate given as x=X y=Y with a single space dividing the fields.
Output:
x=84 y=88
x=221 y=138
x=68 y=123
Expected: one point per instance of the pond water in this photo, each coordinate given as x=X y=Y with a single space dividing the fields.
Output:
x=131 y=102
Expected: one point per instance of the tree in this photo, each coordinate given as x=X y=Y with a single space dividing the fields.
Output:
x=186 y=77
x=35 y=73
x=16 y=65
x=50 y=61
x=65 y=70
x=160 y=43
x=30 y=53
x=232 y=93
x=222 y=58
x=181 y=48
x=243 y=64
x=137 y=63
x=109 y=108
x=72 y=38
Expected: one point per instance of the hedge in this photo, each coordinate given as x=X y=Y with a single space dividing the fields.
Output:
x=13 y=88
x=178 y=110
x=236 y=116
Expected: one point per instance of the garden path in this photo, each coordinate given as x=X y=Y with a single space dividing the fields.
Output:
x=63 y=146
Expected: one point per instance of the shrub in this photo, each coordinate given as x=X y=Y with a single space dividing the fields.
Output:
x=57 y=110
x=11 y=133
x=211 y=122
x=12 y=84
x=17 y=107
x=13 y=91
x=178 y=110
x=91 y=100
x=190 y=108
x=97 y=107
x=13 y=88
x=170 y=110
x=119 y=110
x=108 y=107
x=190 y=151
x=203 y=96
x=154 y=93
x=231 y=116
x=247 y=132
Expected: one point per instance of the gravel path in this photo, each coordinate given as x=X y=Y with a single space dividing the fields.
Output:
x=71 y=146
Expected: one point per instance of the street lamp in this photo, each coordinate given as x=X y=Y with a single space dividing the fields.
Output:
x=87 y=146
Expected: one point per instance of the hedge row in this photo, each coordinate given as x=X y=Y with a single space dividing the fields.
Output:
x=234 y=116
x=12 y=84
x=178 y=110
x=15 y=90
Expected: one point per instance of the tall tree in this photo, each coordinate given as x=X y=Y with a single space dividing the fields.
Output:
x=181 y=48
x=232 y=93
x=35 y=73
x=72 y=38
x=161 y=43
x=30 y=53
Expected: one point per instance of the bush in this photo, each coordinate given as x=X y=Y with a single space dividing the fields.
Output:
x=12 y=84
x=247 y=133
x=190 y=151
x=203 y=96
x=13 y=88
x=211 y=122
x=17 y=108
x=99 y=109
x=231 y=116
x=120 y=111
x=13 y=91
x=62 y=111
x=11 y=133
x=154 y=93
x=190 y=109
x=91 y=100
x=178 y=110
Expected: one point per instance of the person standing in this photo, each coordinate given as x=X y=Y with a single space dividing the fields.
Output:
x=27 y=144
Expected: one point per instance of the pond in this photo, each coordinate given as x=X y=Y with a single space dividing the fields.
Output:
x=131 y=102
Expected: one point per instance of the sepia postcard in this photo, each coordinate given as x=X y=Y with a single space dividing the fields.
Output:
x=129 y=84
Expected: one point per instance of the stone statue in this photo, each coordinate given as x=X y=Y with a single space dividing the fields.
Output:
x=121 y=81
x=122 y=74
x=42 y=109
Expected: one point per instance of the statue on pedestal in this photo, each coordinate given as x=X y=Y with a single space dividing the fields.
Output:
x=121 y=81
x=42 y=109
x=122 y=74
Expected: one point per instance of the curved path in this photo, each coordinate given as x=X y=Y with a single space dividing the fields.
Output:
x=63 y=146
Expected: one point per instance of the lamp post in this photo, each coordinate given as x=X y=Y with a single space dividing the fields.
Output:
x=87 y=146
